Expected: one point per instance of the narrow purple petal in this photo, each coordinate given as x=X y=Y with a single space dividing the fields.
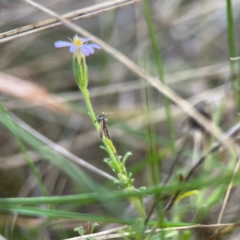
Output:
x=89 y=48
x=86 y=39
x=94 y=45
x=85 y=51
x=72 y=49
x=60 y=44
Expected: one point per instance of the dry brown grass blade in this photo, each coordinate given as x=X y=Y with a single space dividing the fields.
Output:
x=53 y=22
x=226 y=230
x=228 y=192
x=33 y=223
x=173 y=78
x=188 y=108
x=31 y=92
x=105 y=235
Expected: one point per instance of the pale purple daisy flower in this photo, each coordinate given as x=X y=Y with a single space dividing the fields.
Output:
x=78 y=43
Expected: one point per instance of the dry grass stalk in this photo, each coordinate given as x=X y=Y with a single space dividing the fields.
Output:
x=105 y=234
x=208 y=125
x=226 y=230
x=52 y=23
x=228 y=193
x=31 y=92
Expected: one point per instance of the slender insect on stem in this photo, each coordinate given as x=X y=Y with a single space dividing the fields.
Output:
x=102 y=120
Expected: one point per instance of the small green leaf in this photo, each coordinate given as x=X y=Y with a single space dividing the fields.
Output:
x=126 y=157
x=102 y=147
x=80 y=230
x=93 y=227
x=142 y=189
x=187 y=194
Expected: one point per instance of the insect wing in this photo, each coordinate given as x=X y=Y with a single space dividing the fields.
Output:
x=106 y=132
x=101 y=129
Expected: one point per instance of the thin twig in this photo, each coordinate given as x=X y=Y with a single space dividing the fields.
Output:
x=227 y=229
x=186 y=228
x=99 y=234
x=228 y=192
x=73 y=16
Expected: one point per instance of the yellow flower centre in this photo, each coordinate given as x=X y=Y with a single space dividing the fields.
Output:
x=77 y=42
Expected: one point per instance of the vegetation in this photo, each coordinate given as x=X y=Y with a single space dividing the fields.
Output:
x=129 y=130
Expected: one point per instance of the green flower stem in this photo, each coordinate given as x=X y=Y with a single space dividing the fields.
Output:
x=160 y=70
x=110 y=149
x=232 y=51
x=81 y=74
x=231 y=42
x=112 y=153
x=92 y=115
